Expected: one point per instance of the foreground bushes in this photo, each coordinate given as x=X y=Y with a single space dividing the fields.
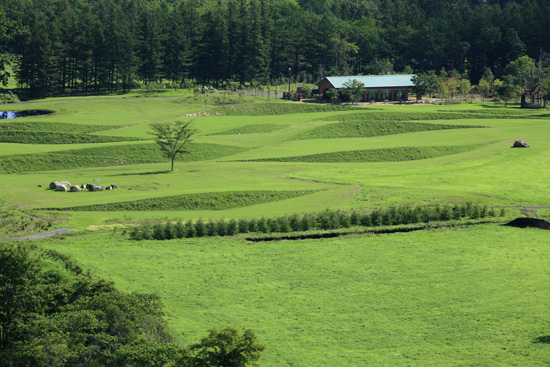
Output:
x=326 y=220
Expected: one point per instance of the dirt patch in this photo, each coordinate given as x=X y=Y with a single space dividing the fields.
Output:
x=529 y=222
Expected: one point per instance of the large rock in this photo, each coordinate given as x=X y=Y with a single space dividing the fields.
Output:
x=520 y=144
x=75 y=188
x=61 y=188
x=64 y=183
x=92 y=187
x=53 y=185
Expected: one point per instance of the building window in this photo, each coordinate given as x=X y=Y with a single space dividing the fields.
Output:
x=385 y=95
x=372 y=96
x=400 y=95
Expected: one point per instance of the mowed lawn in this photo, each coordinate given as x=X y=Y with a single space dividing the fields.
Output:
x=475 y=296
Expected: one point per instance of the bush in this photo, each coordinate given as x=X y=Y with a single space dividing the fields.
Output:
x=179 y=230
x=200 y=228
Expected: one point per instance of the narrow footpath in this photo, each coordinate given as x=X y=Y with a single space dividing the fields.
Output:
x=41 y=235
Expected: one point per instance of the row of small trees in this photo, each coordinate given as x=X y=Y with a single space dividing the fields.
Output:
x=326 y=220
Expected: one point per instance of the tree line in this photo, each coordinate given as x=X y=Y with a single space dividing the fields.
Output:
x=58 y=47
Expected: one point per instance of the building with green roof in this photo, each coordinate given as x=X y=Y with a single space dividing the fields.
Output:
x=377 y=87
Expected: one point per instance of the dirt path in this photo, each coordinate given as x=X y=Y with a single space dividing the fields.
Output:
x=41 y=235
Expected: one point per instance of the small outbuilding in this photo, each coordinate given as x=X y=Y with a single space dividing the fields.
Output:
x=378 y=88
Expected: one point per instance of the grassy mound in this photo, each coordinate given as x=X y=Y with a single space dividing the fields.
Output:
x=57 y=127
x=44 y=137
x=106 y=156
x=411 y=116
x=202 y=201
x=252 y=129
x=259 y=109
x=376 y=155
x=151 y=152
x=353 y=129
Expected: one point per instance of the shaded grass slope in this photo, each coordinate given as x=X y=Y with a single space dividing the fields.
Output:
x=375 y=155
x=106 y=156
x=252 y=129
x=58 y=127
x=414 y=116
x=45 y=137
x=259 y=109
x=352 y=129
x=201 y=201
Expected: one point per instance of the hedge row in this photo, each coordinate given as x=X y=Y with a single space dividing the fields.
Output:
x=326 y=220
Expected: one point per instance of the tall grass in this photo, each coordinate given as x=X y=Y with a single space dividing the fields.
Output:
x=259 y=109
x=202 y=201
x=352 y=129
x=252 y=129
x=106 y=156
x=45 y=137
x=58 y=127
x=375 y=155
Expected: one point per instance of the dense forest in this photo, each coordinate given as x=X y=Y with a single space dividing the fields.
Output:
x=92 y=46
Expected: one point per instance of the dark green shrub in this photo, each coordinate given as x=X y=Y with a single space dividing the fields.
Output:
x=456 y=212
x=231 y=228
x=365 y=220
x=284 y=225
x=492 y=212
x=354 y=218
x=483 y=212
x=474 y=212
x=189 y=229
x=221 y=227
x=179 y=229
x=445 y=213
x=211 y=229
x=502 y=212
x=261 y=225
x=294 y=222
x=168 y=231
x=200 y=228
x=273 y=225
x=376 y=218
x=307 y=222
x=344 y=219
x=253 y=225
x=147 y=232
x=136 y=234
x=387 y=218
x=158 y=232
x=243 y=225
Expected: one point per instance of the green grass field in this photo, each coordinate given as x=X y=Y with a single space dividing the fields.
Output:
x=475 y=296
x=469 y=296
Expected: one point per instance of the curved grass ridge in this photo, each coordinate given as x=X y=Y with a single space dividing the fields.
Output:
x=252 y=129
x=44 y=137
x=357 y=129
x=412 y=116
x=375 y=155
x=200 y=201
x=58 y=127
x=113 y=155
x=259 y=109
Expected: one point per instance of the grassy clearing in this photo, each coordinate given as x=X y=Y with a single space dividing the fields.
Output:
x=468 y=296
x=203 y=201
x=352 y=129
x=376 y=155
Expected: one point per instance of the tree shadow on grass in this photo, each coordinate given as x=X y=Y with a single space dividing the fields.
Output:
x=142 y=173
x=545 y=339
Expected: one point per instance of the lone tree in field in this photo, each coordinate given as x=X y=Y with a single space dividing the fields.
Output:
x=172 y=138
